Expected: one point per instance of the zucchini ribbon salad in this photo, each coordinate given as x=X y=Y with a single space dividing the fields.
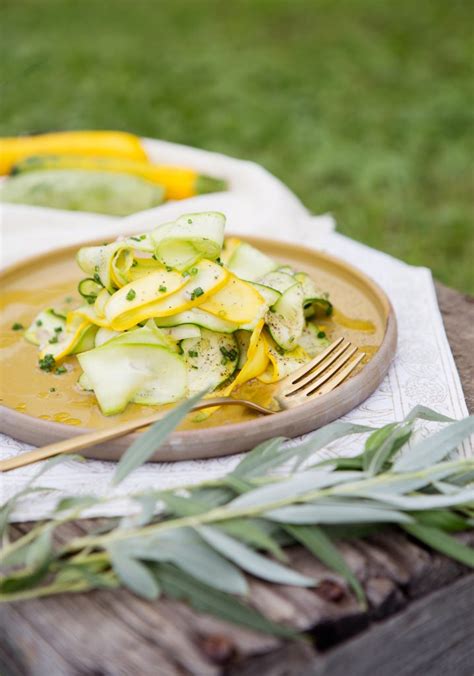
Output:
x=178 y=310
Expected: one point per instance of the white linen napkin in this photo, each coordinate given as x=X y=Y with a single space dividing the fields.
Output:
x=422 y=373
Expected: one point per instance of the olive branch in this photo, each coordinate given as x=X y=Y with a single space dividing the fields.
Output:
x=197 y=542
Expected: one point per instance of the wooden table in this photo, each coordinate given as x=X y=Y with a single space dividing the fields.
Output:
x=420 y=620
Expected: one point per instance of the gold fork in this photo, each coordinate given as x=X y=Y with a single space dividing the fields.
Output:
x=319 y=376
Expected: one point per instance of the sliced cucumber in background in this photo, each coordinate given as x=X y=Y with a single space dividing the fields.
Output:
x=286 y=321
x=249 y=263
x=101 y=192
x=210 y=359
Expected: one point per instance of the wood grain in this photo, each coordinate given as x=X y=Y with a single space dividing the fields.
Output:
x=419 y=619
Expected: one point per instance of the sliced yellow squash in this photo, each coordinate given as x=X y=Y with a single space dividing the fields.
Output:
x=126 y=309
x=86 y=312
x=109 y=263
x=237 y=302
x=142 y=267
x=100 y=301
x=256 y=363
x=281 y=364
x=230 y=245
x=69 y=339
x=157 y=285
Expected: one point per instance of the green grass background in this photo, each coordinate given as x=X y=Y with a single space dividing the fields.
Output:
x=363 y=107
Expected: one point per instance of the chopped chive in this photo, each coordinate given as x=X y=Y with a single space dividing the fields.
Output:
x=17 y=326
x=321 y=334
x=39 y=322
x=52 y=389
x=47 y=362
x=229 y=355
x=142 y=236
x=193 y=271
x=193 y=353
x=168 y=268
x=131 y=294
x=190 y=220
x=54 y=339
x=162 y=288
x=186 y=273
x=58 y=329
x=135 y=239
x=60 y=370
x=196 y=293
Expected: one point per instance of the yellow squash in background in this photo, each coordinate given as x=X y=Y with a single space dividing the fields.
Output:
x=111 y=144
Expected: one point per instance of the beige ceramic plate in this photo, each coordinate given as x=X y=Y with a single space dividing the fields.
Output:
x=39 y=408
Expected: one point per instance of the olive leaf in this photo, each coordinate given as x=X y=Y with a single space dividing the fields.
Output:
x=272 y=454
x=441 y=541
x=8 y=507
x=178 y=585
x=319 y=544
x=187 y=551
x=150 y=441
x=254 y=532
x=251 y=561
x=292 y=486
x=133 y=574
x=338 y=512
x=195 y=542
x=436 y=447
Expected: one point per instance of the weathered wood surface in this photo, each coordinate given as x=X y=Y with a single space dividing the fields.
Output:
x=458 y=316
x=419 y=619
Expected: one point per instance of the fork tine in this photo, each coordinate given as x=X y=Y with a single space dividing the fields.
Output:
x=341 y=375
x=303 y=370
x=313 y=373
x=313 y=383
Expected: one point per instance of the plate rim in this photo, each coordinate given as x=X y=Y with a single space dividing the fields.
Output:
x=374 y=372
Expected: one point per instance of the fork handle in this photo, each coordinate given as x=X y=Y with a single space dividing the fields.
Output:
x=92 y=438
